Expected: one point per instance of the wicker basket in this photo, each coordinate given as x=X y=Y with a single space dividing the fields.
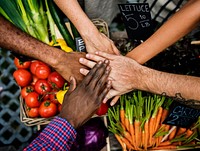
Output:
x=30 y=121
x=102 y=26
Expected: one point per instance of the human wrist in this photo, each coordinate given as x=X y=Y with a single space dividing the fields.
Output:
x=86 y=34
x=69 y=119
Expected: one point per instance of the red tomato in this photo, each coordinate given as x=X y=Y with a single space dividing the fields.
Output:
x=47 y=109
x=26 y=90
x=32 y=100
x=56 y=80
x=45 y=96
x=103 y=109
x=42 y=86
x=21 y=64
x=35 y=78
x=42 y=71
x=33 y=112
x=34 y=65
x=22 y=77
x=52 y=96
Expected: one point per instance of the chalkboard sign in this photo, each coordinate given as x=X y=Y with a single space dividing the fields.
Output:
x=137 y=20
x=182 y=115
x=80 y=45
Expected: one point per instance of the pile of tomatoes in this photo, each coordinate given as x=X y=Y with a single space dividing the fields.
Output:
x=39 y=84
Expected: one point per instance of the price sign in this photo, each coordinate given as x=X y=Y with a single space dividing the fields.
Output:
x=137 y=20
x=80 y=45
x=181 y=115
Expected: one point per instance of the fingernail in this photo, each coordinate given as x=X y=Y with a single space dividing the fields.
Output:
x=87 y=55
x=81 y=60
x=81 y=70
x=96 y=52
x=100 y=62
x=106 y=61
x=105 y=100
x=112 y=103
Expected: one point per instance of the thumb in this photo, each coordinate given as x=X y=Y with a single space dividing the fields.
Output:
x=72 y=84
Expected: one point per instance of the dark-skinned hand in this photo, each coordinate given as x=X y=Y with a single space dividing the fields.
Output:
x=81 y=102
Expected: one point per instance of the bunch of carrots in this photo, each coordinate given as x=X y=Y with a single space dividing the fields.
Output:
x=137 y=123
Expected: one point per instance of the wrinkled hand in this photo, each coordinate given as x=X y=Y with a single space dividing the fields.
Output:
x=81 y=102
x=99 y=42
x=125 y=74
x=68 y=65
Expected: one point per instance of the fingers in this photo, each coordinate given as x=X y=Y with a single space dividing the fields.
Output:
x=114 y=100
x=84 y=71
x=100 y=77
x=91 y=73
x=102 y=95
x=100 y=54
x=112 y=93
x=102 y=80
x=88 y=63
x=94 y=57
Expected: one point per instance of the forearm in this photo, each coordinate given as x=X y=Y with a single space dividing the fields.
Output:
x=171 y=84
x=176 y=27
x=74 y=12
x=14 y=39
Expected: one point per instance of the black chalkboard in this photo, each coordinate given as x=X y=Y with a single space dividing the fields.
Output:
x=182 y=115
x=80 y=45
x=137 y=20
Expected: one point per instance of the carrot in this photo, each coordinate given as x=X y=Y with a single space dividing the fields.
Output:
x=180 y=131
x=158 y=118
x=128 y=144
x=120 y=141
x=126 y=123
x=122 y=112
x=127 y=135
x=189 y=132
x=137 y=133
x=165 y=143
x=142 y=139
x=172 y=134
x=151 y=128
x=146 y=136
x=132 y=134
x=164 y=115
x=165 y=147
x=122 y=116
x=165 y=129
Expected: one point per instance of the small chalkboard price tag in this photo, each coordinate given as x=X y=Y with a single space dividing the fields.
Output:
x=137 y=20
x=80 y=45
x=182 y=115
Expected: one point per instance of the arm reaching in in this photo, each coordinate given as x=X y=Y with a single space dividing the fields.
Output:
x=94 y=40
x=17 y=41
x=181 y=23
x=127 y=75
x=79 y=104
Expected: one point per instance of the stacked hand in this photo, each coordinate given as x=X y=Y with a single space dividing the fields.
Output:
x=125 y=74
x=81 y=102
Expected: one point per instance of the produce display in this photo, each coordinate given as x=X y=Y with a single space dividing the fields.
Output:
x=137 y=123
x=42 y=88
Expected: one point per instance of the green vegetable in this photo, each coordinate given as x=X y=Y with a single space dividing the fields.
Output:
x=28 y=15
x=55 y=12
